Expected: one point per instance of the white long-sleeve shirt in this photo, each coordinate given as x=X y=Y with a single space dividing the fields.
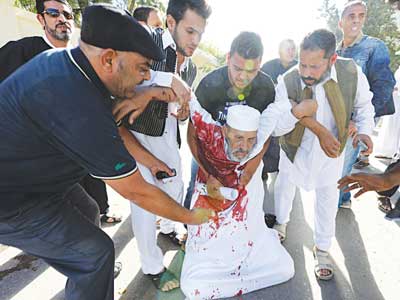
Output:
x=312 y=168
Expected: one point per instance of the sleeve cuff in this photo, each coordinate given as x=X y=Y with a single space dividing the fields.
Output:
x=163 y=79
x=117 y=176
x=290 y=118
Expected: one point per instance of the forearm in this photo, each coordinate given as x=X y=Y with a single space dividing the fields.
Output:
x=313 y=125
x=393 y=176
x=150 y=198
x=159 y=203
x=256 y=160
x=141 y=154
x=252 y=165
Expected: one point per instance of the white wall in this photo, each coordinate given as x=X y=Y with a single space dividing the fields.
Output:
x=16 y=23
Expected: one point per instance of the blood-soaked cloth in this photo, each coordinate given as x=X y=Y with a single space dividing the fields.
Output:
x=235 y=253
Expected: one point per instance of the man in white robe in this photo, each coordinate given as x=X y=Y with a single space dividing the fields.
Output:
x=235 y=253
x=317 y=162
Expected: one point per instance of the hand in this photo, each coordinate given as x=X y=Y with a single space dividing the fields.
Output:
x=181 y=89
x=136 y=105
x=329 y=144
x=367 y=141
x=200 y=215
x=182 y=112
x=306 y=108
x=213 y=186
x=158 y=166
x=365 y=182
x=352 y=129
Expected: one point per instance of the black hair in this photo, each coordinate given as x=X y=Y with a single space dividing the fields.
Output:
x=142 y=13
x=320 y=39
x=40 y=5
x=177 y=8
x=248 y=45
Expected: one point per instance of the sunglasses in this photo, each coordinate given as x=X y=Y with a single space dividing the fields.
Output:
x=55 y=13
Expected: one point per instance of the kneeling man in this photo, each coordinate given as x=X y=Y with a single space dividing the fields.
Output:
x=235 y=253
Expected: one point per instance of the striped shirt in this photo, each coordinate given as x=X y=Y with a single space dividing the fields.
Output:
x=152 y=121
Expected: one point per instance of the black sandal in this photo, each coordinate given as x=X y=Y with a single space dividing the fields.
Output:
x=175 y=238
x=117 y=269
x=161 y=279
x=110 y=219
x=384 y=204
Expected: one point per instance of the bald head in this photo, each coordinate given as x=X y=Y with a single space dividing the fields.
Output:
x=287 y=51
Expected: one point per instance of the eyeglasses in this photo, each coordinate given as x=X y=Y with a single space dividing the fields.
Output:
x=55 y=13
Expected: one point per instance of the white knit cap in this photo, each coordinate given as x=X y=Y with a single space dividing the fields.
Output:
x=243 y=118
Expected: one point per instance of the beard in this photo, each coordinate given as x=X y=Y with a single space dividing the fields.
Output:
x=179 y=48
x=231 y=154
x=64 y=36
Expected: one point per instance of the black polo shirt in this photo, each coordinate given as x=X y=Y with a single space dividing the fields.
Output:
x=56 y=126
x=274 y=68
x=215 y=93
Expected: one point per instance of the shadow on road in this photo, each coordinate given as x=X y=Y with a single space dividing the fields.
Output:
x=350 y=241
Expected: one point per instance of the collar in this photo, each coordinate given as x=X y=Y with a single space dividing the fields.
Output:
x=79 y=59
x=48 y=41
x=168 y=40
x=332 y=76
x=44 y=37
x=355 y=42
x=184 y=64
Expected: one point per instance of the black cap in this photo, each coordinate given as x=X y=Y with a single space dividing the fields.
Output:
x=106 y=26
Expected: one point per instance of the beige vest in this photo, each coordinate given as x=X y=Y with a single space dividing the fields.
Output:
x=340 y=96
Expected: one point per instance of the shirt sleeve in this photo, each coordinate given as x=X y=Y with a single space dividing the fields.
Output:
x=277 y=118
x=81 y=126
x=381 y=80
x=159 y=78
x=11 y=58
x=363 y=108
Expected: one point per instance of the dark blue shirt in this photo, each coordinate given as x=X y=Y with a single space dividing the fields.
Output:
x=372 y=55
x=274 y=68
x=56 y=126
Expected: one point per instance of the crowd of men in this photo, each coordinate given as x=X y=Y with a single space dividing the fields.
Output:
x=108 y=112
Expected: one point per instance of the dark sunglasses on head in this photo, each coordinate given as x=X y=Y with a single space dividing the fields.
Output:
x=55 y=13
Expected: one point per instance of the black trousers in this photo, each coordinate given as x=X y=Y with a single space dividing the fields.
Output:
x=96 y=189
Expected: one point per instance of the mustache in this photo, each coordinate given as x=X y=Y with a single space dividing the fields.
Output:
x=240 y=151
x=63 y=24
x=308 y=78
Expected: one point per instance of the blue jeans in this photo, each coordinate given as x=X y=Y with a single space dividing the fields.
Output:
x=65 y=233
x=194 y=167
x=350 y=158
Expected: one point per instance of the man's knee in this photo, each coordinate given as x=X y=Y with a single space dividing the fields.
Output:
x=99 y=250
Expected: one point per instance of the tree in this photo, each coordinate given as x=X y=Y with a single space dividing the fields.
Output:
x=380 y=23
x=330 y=13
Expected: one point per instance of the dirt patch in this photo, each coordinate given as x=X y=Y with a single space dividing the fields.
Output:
x=24 y=262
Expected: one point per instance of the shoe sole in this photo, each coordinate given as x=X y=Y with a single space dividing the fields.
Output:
x=393 y=219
